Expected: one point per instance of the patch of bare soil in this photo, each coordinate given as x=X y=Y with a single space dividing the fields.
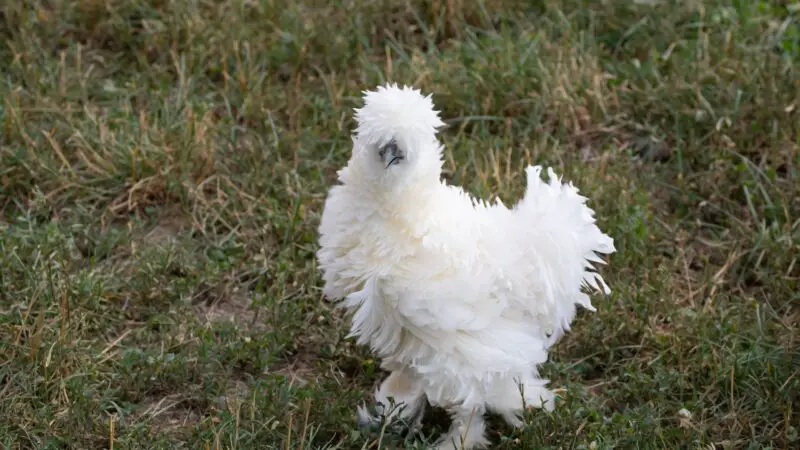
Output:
x=220 y=304
x=169 y=415
x=235 y=395
x=167 y=227
x=299 y=368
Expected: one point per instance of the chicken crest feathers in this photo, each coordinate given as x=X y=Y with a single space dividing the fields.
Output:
x=391 y=110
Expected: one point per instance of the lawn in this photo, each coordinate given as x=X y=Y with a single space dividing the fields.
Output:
x=163 y=166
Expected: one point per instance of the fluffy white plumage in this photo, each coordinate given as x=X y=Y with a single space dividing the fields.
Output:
x=460 y=299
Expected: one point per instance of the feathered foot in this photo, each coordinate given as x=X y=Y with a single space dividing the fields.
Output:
x=399 y=398
x=513 y=399
x=467 y=431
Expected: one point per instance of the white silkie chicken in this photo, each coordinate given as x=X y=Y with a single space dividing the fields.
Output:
x=459 y=299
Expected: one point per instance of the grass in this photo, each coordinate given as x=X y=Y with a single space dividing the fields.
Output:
x=163 y=166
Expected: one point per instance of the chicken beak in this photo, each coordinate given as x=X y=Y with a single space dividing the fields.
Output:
x=392 y=154
x=395 y=159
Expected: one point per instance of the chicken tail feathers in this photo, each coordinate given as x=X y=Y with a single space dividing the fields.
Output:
x=561 y=245
x=557 y=210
